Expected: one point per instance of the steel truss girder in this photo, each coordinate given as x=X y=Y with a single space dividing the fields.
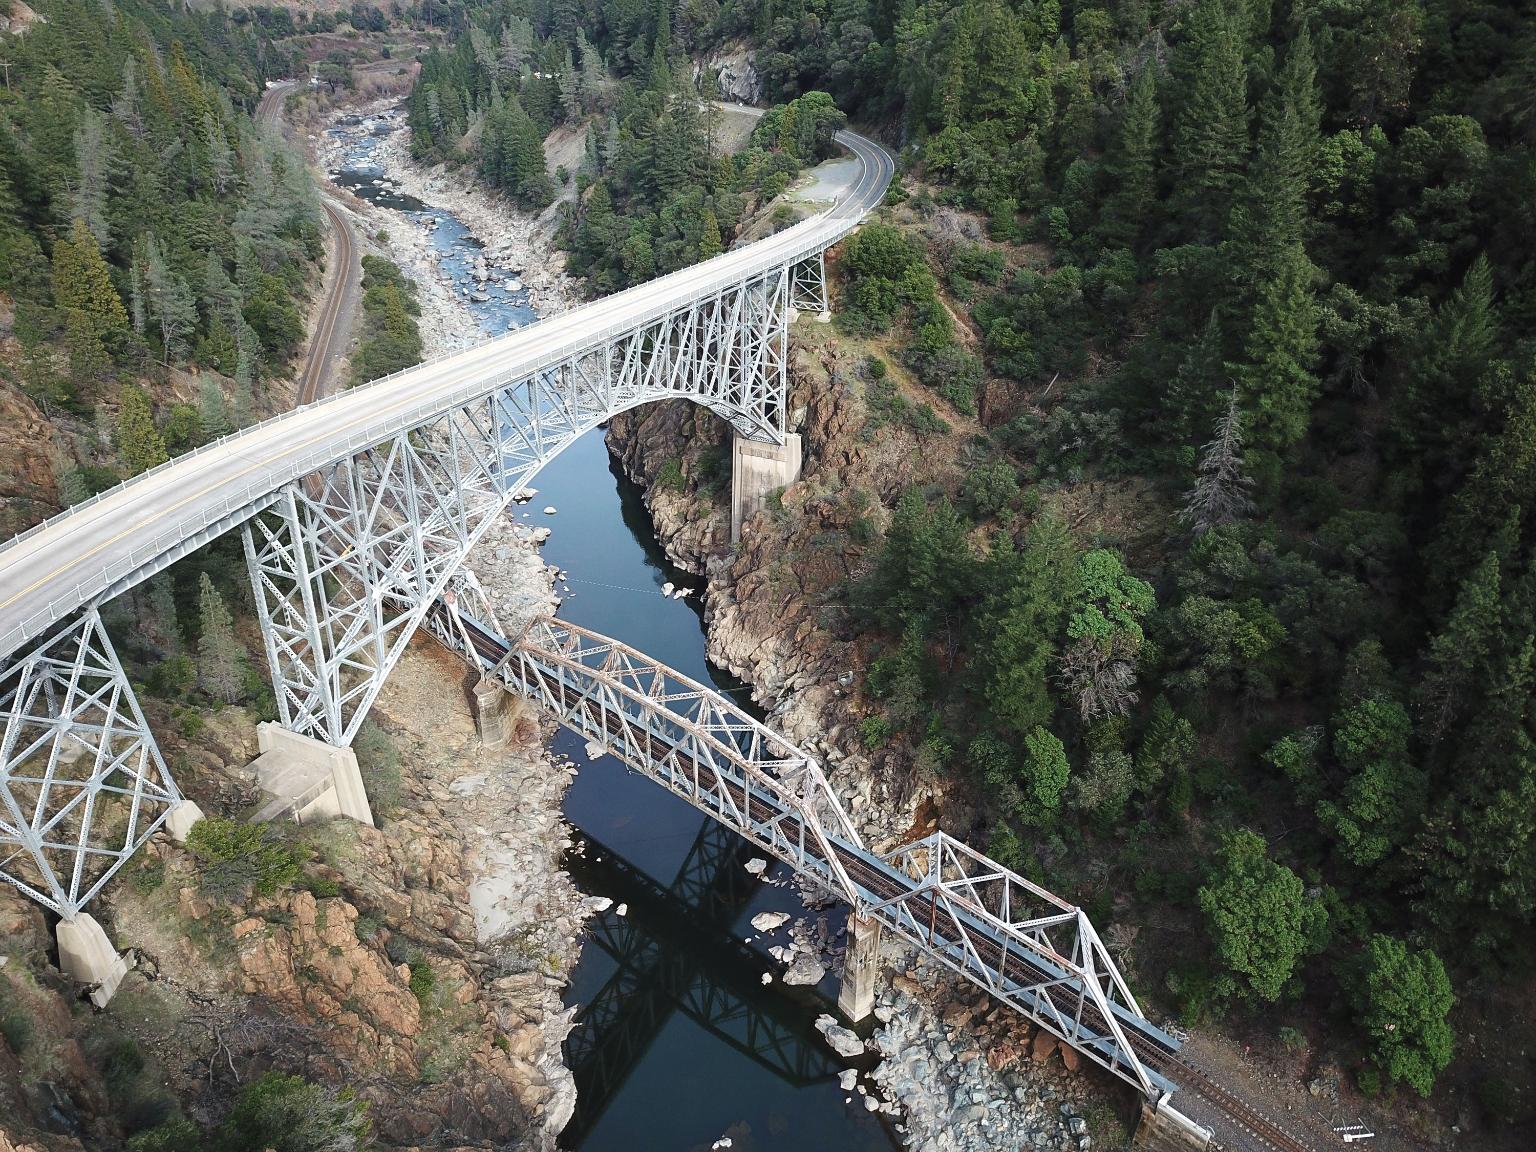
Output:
x=346 y=562
x=689 y=739
x=82 y=782
x=1020 y=942
x=979 y=918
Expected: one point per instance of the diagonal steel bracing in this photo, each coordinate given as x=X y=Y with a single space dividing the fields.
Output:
x=82 y=784
x=1023 y=944
x=345 y=561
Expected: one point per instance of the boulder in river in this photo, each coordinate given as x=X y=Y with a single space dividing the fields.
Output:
x=806 y=971
x=844 y=1041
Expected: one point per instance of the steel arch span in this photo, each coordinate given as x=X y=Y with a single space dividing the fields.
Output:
x=356 y=510
x=345 y=563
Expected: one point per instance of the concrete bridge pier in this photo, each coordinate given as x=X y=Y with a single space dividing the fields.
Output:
x=861 y=968
x=497 y=712
x=1162 y=1128
x=179 y=823
x=87 y=956
x=758 y=469
x=307 y=779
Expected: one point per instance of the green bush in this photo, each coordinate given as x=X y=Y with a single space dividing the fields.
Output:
x=670 y=478
x=991 y=487
x=874 y=731
x=423 y=981
x=240 y=858
x=285 y=1114
x=1401 y=1000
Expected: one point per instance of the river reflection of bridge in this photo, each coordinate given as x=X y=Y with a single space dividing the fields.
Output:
x=675 y=952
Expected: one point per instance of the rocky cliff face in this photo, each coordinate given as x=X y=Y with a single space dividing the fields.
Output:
x=776 y=600
x=29 y=490
x=419 y=964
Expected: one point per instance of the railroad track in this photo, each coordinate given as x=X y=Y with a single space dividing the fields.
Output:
x=880 y=884
x=317 y=365
x=312 y=380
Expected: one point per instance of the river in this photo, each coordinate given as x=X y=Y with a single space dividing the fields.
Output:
x=679 y=1044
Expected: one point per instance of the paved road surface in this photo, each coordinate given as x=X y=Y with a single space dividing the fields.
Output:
x=104 y=546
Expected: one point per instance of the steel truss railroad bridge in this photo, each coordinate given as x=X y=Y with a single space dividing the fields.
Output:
x=357 y=511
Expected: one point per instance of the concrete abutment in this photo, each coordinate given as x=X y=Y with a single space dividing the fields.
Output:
x=497 y=712
x=1162 y=1128
x=308 y=779
x=758 y=469
x=87 y=957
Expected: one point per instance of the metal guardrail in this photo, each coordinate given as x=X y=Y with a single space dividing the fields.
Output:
x=807 y=239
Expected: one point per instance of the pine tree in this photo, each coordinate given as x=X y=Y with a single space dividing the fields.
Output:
x=1450 y=371
x=220 y=659
x=1209 y=134
x=1191 y=402
x=168 y=300
x=212 y=408
x=1457 y=656
x=709 y=236
x=592 y=70
x=138 y=441
x=159 y=616
x=1133 y=168
x=570 y=88
x=93 y=311
x=1275 y=376
x=1220 y=494
x=92 y=161
x=221 y=157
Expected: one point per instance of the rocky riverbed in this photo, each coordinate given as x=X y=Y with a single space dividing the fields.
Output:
x=401 y=214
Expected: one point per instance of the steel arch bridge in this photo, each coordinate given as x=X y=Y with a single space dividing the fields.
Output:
x=355 y=512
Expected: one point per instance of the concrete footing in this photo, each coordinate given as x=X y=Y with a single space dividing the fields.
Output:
x=1163 y=1128
x=307 y=779
x=179 y=823
x=756 y=470
x=861 y=968
x=496 y=713
x=87 y=957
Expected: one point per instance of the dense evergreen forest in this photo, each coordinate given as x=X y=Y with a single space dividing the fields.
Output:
x=658 y=190
x=1261 y=261
x=146 y=223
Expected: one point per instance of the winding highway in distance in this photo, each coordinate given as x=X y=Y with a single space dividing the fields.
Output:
x=106 y=545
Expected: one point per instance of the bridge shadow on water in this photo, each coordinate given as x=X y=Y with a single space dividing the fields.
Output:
x=678 y=1041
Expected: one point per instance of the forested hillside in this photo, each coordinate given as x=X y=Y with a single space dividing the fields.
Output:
x=657 y=191
x=146 y=226
x=1254 y=272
